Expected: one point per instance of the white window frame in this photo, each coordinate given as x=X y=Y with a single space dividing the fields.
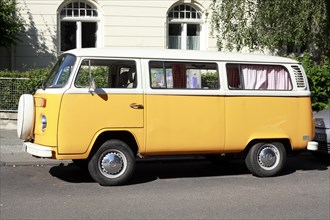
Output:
x=79 y=20
x=184 y=26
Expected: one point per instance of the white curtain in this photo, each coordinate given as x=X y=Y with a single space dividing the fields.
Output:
x=193 y=42
x=174 y=42
x=259 y=77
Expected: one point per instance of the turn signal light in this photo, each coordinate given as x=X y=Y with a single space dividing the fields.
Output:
x=41 y=102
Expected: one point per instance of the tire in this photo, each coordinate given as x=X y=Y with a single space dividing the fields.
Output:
x=266 y=159
x=113 y=163
x=25 y=117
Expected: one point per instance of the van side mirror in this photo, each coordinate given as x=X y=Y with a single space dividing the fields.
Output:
x=92 y=85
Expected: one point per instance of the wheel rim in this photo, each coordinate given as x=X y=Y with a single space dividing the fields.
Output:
x=112 y=163
x=268 y=157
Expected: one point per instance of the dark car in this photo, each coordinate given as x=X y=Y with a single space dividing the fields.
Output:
x=322 y=130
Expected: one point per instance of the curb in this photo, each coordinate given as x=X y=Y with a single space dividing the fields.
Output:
x=36 y=163
x=45 y=162
x=8 y=120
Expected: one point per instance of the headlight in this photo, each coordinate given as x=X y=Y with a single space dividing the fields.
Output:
x=43 y=122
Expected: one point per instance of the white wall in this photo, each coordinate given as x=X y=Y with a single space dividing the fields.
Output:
x=142 y=23
x=38 y=45
x=124 y=23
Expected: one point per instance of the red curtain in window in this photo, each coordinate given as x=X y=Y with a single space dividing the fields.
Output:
x=233 y=77
x=179 y=76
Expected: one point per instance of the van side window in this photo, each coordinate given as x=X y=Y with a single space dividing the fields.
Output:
x=183 y=75
x=258 y=77
x=107 y=73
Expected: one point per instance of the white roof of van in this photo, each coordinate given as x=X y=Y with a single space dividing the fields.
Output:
x=173 y=54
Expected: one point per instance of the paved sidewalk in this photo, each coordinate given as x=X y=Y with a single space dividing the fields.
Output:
x=12 y=154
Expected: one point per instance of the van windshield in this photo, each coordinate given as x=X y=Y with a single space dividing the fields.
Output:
x=61 y=71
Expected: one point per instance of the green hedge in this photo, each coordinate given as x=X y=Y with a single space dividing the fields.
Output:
x=13 y=84
x=318 y=75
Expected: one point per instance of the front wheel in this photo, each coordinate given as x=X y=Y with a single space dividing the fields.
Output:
x=266 y=159
x=81 y=163
x=112 y=164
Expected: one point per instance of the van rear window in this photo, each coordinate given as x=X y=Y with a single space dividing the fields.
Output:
x=258 y=77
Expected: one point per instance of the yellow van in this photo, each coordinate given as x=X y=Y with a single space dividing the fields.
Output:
x=104 y=107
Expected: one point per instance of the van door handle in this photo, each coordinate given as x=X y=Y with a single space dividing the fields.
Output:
x=136 y=106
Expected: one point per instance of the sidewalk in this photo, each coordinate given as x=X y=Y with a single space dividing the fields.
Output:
x=12 y=154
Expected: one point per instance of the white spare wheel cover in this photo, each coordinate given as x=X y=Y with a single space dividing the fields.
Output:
x=25 y=116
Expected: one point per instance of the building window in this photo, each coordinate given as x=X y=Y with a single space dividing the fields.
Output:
x=184 y=27
x=79 y=24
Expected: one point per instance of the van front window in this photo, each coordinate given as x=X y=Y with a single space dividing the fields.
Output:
x=61 y=71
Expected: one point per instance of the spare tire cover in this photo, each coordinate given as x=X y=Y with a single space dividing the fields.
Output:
x=25 y=117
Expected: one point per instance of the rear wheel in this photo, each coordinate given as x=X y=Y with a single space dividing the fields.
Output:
x=112 y=164
x=266 y=159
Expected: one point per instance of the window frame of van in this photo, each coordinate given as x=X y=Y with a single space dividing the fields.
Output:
x=241 y=76
x=58 y=75
x=138 y=90
x=132 y=62
x=203 y=62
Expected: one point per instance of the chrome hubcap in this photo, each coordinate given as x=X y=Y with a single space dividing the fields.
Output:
x=268 y=157
x=112 y=164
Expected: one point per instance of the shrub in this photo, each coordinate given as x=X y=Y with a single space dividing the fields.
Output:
x=13 y=84
x=318 y=74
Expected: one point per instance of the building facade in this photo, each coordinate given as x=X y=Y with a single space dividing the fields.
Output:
x=54 y=26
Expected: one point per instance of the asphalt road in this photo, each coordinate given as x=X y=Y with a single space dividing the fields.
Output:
x=183 y=189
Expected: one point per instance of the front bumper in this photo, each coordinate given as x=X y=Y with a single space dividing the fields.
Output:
x=38 y=150
x=312 y=145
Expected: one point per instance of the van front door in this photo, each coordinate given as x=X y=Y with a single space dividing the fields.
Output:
x=116 y=103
